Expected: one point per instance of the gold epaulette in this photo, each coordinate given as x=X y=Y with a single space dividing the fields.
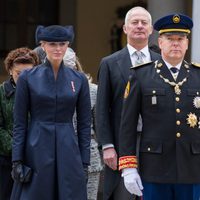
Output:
x=127 y=162
x=196 y=64
x=141 y=65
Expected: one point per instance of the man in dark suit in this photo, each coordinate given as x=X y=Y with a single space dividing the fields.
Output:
x=113 y=76
x=167 y=95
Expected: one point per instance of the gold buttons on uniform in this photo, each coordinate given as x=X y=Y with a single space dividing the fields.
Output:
x=178 y=122
x=177 y=99
x=148 y=149
x=178 y=135
x=178 y=110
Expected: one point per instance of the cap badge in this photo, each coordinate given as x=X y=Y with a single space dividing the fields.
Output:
x=192 y=120
x=196 y=102
x=176 y=19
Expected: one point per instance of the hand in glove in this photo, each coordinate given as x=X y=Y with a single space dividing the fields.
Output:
x=17 y=171
x=132 y=181
x=20 y=172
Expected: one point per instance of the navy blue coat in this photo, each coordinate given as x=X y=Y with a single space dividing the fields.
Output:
x=48 y=144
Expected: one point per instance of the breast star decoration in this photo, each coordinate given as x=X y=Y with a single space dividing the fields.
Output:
x=196 y=102
x=192 y=120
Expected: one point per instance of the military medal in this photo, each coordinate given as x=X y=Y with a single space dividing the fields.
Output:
x=196 y=102
x=154 y=100
x=192 y=120
x=177 y=89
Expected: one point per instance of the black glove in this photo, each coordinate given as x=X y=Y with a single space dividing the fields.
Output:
x=85 y=168
x=20 y=172
x=17 y=171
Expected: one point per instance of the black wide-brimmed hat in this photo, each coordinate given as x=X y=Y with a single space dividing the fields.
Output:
x=174 y=23
x=54 y=33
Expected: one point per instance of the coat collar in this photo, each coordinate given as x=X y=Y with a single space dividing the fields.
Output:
x=9 y=88
x=164 y=71
x=184 y=70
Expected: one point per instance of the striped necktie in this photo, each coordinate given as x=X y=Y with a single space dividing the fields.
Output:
x=139 y=58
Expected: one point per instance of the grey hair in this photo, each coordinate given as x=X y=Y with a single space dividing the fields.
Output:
x=130 y=12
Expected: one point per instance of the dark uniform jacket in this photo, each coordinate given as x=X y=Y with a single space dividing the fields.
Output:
x=49 y=145
x=113 y=76
x=170 y=141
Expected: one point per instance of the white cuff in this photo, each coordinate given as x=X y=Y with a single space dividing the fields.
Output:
x=106 y=146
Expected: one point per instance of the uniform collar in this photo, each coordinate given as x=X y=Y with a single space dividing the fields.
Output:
x=169 y=65
x=9 y=88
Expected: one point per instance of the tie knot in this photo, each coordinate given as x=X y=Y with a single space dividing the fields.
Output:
x=138 y=53
x=174 y=69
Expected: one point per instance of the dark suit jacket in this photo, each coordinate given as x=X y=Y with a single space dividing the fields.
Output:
x=170 y=142
x=112 y=79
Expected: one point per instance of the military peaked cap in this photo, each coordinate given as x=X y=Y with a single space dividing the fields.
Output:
x=174 y=23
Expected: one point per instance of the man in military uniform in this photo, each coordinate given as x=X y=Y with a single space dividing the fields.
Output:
x=167 y=95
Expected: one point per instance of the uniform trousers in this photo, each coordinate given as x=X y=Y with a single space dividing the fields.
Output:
x=158 y=191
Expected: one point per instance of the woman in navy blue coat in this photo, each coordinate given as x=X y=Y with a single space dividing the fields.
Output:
x=43 y=136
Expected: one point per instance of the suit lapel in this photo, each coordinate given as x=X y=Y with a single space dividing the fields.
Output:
x=124 y=63
x=154 y=56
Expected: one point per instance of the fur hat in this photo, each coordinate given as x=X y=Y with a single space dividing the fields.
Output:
x=54 y=33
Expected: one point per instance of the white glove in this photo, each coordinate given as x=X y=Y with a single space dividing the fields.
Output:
x=132 y=181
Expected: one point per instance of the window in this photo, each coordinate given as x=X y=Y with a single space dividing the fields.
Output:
x=19 y=19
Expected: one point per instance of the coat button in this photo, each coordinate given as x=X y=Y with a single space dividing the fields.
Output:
x=178 y=110
x=178 y=122
x=153 y=91
x=178 y=135
x=148 y=149
x=177 y=99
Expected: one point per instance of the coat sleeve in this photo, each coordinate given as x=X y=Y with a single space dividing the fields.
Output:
x=103 y=106
x=129 y=121
x=21 y=106
x=83 y=110
x=5 y=134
